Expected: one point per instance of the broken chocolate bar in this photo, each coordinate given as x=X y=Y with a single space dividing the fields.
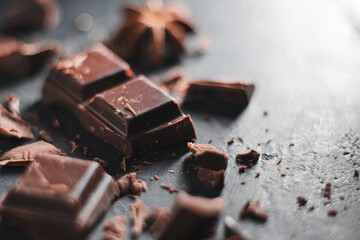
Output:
x=192 y=217
x=26 y=154
x=13 y=126
x=58 y=198
x=133 y=115
x=211 y=164
x=221 y=96
x=22 y=59
x=32 y=15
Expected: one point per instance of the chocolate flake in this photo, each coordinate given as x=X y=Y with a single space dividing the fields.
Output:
x=115 y=228
x=43 y=135
x=278 y=162
x=13 y=126
x=25 y=154
x=156 y=177
x=123 y=164
x=327 y=190
x=332 y=212
x=12 y=104
x=138 y=212
x=251 y=209
x=301 y=200
x=250 y=158
x=129 y=184
x=102 y=162
x=128 y=107
x=169 y=188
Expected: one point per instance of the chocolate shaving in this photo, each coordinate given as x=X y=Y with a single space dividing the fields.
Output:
x=24 y=155
x=156 y=220
x=301 y=200
x=128 y=107
x=250 y=158
x=170 y=188
x=102 y=162
x=32 y=15
x=251 y=209
x=129 y=184
x=230 y=141
x=74 y=146
x=138 y=212
x=332 y=212
x=115 y=228
x=13 y=126
x=56 y=123
x=31 y=57
x=327 y=190
x=156 y=177
x=12 y=104
x=123 y=164
x=278 y=162
x=43 y=135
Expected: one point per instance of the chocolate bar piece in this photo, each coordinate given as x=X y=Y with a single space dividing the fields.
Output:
x=22 y=59
x=90 y=72
x=192 y=217
x=58 y=197
x=133 y=115
x=134 y=106
x=24 y=155
x=220 y=96
x=32 y=15
x=13 y=126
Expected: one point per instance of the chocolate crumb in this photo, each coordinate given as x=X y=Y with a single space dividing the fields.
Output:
x=102 y=162
x=251 y=209
x=341 y=197
x=171 y=171
x=242 y=168
x=56 y=123
x=283 y=174
x=243 y=182
x=129 y=184
x=173 y=154
x=123 y=164
x=291 y=144
x=85 y=150
x=257 y=174
x=278 y=162
x=301 y=200
x=43 y=135
x=156 y=177
x=356 y=173
x=138 y=167
x=211 y=140
x=332 y=212
x=311 y=208
x=327 y=191
x=268 y=141
x=128 y=107
x=115 y=228
x=74 y=146
x=248 y=158
x=327 y=202
x=230 y=141
x=265 y=113
x=138 y=212
x=169 y=188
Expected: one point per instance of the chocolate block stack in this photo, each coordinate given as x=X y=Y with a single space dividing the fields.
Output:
x=59 y=197
x=130 y=113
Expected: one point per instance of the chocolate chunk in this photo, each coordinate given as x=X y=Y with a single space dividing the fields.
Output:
x=115 y=228
x=170 y=188
x=252 y=210
x=192 y=217
x=327 y=190
x=249 y=158
x=51 y=204
x=150 y=107
x=129 y=184
x=156 y=220
x=220 y=96
x=43 y=135
x=90 y=72
x=138 y=212
x=332 y=212
x=157 y=121
x=13 y=126
x=12 y=104
x=26 y=154
x=23 y=59
x=211 y=164
x=32 y=15
x=301 y=200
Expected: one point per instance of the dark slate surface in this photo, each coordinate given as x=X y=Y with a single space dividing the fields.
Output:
x=304 y=58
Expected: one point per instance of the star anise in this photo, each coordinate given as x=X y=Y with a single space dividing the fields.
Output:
x=155 y=28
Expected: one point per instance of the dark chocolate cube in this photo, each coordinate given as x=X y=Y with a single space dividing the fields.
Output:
x=90 y=72
x=58 y=197
x=134 y=106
